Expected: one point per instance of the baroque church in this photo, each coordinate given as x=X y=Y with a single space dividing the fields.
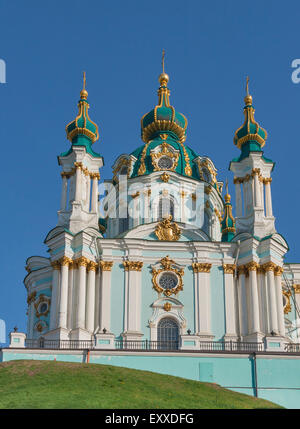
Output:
x=155 y=257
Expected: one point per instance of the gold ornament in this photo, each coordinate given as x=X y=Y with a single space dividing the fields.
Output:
x=168 y=265
x=167 y=306
x=167 y=230
x=165 y=177
x=133 y=265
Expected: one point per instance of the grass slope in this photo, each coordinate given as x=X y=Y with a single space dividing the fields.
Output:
x=49 y=384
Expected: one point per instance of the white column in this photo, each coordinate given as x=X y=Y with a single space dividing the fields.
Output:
x=70 y=311
x=147 y=194
x=269 y=211
x=95 y=177
x=257 y=196
x=63 y=296
x=245 y=194
x=105 y=295
x=97 y=299
x=182 y=206
x=202 y=272
x=88 y=192
x=81 y=297
x=273 y=321
x=230 y=310
x=254 y=302
x=63 y=202
x=238 y=198
x=280 y=313
x=134 y=269
x=90 y=296
x=261 y=186
x=243 y=313
x=54 y=296
x=78 y=181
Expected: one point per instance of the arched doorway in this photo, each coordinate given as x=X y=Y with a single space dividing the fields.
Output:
x=167 y=334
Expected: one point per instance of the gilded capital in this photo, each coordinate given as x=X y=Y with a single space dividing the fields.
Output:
x=199 y=267
x=133 y=265
x=252 y=266
x=269 y=266
x=296 y=288
x=242 y=270
x=105 y=265
x=229 y=268
x=82 y=261
x=165 y=177
x=65 y=261
x=278 y=271
x=92 y=266
x=78 y=165
x=55 y=265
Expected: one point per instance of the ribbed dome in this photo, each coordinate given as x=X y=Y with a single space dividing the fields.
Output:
x=163 y=118
x=165 y=146
x=250 y=131
x=82 y=127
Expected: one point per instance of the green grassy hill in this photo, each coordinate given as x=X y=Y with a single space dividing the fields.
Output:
x=49 y=384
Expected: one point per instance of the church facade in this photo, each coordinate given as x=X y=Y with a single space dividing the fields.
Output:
x=161 y=259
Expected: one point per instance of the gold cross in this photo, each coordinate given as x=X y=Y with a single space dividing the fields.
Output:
x=247 y=85
x=84 y=80
x=163 y=60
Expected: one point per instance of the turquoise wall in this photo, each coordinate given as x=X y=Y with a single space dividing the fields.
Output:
x=217 y=302
x=278 y=376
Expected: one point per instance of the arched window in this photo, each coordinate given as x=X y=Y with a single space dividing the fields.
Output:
x=165 y=207
x=167 y=334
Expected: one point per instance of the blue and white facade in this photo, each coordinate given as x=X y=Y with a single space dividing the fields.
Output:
x=162 y=258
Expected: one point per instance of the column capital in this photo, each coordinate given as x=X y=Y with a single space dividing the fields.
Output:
x=269 y=266
x=242 y=270
x=105 y=265
x=133 y=265
x=82 y=261
x=92 y=266
x=296 y=288
x=252 y=266
x=278 y=271
x=255 y=171
x=199 y=267
x=78 y=165
x=229 y=268
x=55 y=265
x=95 y=176
x=65 y=261
x=267 y=180
x=66 y=174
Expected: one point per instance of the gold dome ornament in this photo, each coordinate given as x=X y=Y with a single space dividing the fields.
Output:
x=167 y=230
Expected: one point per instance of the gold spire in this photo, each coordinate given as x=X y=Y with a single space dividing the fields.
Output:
x=227 y=196
x=248 y=98
x=84 y=94
x=163 y=77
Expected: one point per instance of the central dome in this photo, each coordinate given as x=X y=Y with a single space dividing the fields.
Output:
x=163 y=118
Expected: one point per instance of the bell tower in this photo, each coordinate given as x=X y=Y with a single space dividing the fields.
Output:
x=252 y=171
x=80 y=172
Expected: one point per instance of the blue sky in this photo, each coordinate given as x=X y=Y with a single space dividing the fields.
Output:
x=211 y=46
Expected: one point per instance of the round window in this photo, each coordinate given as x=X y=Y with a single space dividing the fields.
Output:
x=165 y=163
x=168 y=280
x=43 y=307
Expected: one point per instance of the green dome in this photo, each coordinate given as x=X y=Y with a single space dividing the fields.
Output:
x=163 y=118
x=82 y=128
x=250 y=132
x=228 y=222
x=165 y=145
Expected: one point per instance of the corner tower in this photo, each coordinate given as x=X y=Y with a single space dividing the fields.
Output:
x=252 y=179
x=80 y=175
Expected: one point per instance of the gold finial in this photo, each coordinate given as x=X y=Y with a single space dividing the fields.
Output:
x=163 y=60
x=227 y=196
x=84 y=93
x=163 y=78
x=248 y=98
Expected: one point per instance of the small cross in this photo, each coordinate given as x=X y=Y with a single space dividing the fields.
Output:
x=163 y=60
